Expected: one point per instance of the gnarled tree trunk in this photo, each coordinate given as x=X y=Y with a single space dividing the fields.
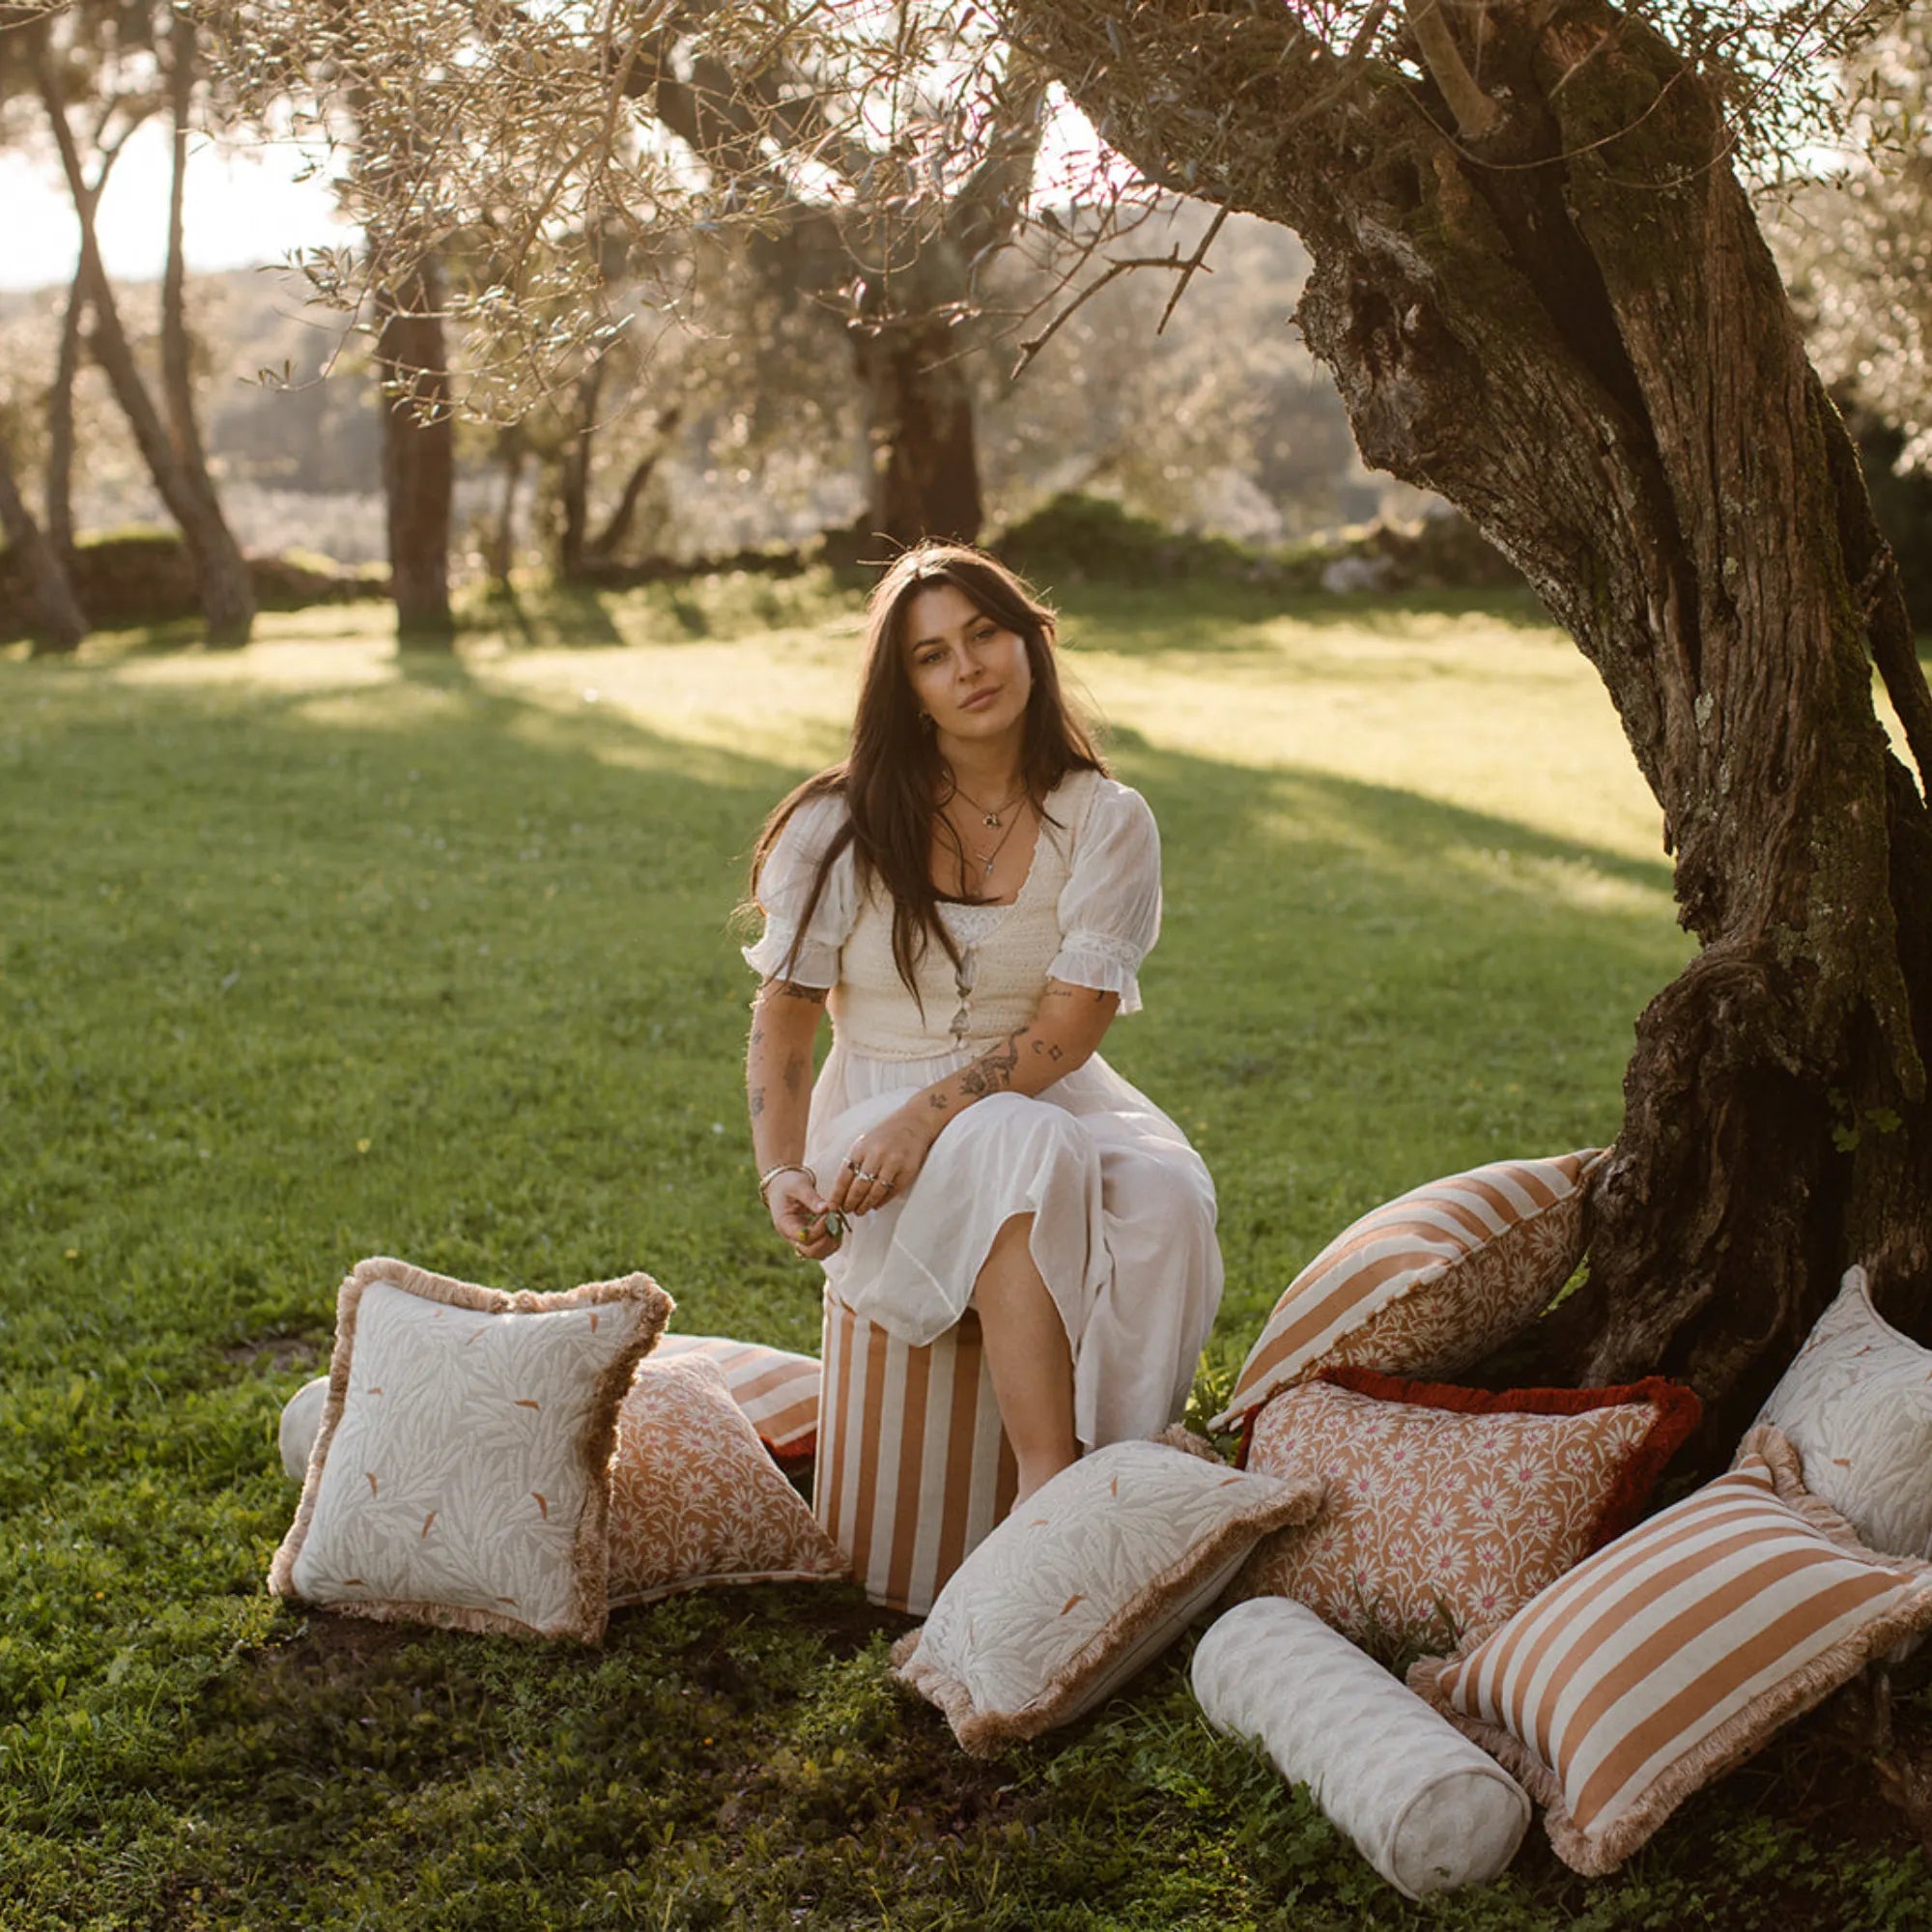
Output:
x=1570 y=326
x=918 y=418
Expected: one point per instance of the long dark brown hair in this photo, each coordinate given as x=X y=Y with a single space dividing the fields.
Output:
x=892 y=779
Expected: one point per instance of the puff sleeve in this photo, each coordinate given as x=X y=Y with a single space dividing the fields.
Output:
x=784 y=886
x=1110 y=906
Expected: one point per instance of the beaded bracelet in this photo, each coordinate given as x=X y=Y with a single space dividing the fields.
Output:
x=771 y=1173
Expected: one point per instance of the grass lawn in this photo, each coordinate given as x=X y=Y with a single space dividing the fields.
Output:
x=308 y=953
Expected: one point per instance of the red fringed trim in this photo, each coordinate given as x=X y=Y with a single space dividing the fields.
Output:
x=1678 y=1412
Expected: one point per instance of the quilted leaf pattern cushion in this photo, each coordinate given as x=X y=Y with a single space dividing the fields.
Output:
x=1427 y=1283
x=459 y=1474
x=694 y=1498
x=1088 y=1580
x=1856 y=1405
x=1450 y=1508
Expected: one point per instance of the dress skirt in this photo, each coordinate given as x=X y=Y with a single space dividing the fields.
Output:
x=1122 y=1232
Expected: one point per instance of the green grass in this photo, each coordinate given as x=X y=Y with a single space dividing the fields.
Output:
x=307 y=954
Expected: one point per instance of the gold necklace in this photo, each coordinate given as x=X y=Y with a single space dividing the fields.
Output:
x=986 y=860
x=990 y=815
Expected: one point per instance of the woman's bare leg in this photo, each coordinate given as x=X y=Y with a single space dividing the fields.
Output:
x=1027 y=1356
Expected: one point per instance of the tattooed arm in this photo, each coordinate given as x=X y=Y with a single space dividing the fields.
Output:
x=778 y=1089
x=1066 y=1030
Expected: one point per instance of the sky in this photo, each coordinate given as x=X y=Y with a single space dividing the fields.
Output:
x=245 y=207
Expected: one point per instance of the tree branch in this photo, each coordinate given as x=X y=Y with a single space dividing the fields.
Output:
x=1474 y=111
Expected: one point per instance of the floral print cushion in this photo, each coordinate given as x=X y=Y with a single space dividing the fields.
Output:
x=1449 y=1509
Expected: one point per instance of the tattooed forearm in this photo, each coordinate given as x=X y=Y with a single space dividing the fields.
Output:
x=1052 y=1049
x=790 y=989
x=940 y=1101
x=757 y=1101
x=795 y=1070
x=992 y=1072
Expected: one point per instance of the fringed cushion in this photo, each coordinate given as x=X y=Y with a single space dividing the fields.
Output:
x=1450 y=1508
x=1087 y=1581
x=1427 y=1283
x=1672 y=1655
x=777 y=1390
x=694 y=1496
x=459 y=1474
x=1856 y=1405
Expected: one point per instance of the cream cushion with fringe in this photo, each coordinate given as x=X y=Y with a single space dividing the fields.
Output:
x=1428 y=1809
x=1088 y=1580
x=1675 y=1652
x=459 y=1474
x=1427 y=1283
x=1856 y=1405
x=695 y=1497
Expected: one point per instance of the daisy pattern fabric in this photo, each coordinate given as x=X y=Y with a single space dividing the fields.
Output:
x=694 y=1498
x=1448 y=1509
x=1427 y=1283
x=1856 y=1405
x=1677 y=1650
x=777 y=1389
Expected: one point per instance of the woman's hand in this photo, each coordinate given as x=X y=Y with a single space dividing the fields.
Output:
x=797 y=1213
x=882 y=1163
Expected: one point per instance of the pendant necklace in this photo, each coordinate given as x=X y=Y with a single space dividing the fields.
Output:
x=986 y=860
x=990 y=815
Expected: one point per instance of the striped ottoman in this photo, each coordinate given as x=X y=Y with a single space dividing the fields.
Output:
x=913 y=1467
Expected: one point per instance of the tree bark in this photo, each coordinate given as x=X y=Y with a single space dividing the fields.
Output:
x=59 y=490
x=1572 y=330
x=919 y=416
x=573 y=480
x=222 y=572
x=58 y=622
x=418 y=452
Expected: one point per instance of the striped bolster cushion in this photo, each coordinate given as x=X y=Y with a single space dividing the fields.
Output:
x=777 y=1390
x=1427 y=1283
x=914 y=1467
x=1676 y=1651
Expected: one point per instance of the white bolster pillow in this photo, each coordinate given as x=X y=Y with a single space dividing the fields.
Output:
x=1426 y=1808
x=302 y=1424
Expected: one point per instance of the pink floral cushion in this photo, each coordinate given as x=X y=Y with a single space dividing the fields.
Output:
x=695 y=1500
x=1449 y=1508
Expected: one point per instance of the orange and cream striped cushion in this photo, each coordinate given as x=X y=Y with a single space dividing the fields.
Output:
x=777 y=1389
x=913 y=1468
x=1676 y=1651
x=1427 y=1283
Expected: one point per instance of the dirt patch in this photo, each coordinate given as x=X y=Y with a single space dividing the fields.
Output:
x=280 y=1353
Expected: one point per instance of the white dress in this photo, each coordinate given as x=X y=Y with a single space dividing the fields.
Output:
x=1122 y=1206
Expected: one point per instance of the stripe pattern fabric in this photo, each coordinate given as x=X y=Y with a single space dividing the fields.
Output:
x=914 y=1467
x=777 y=1390
x=1427 y=1283
x=1676 y=1651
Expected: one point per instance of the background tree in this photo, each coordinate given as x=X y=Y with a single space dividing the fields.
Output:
x=114 y=57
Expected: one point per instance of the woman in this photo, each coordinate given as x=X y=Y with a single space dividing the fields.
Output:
x=971 y=896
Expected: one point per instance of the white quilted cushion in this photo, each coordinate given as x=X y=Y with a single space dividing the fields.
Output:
x=1088 y=1580
x=1426 y=1808
x=458 y=1476
x=1856 y=1405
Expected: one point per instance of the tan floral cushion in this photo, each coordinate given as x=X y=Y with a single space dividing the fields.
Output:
x=777 y=1389
x=694 y=1498
x=1448 y=1509
x=1427 y=1283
